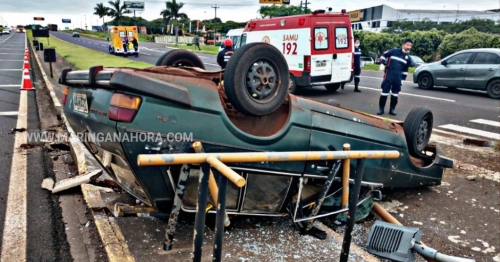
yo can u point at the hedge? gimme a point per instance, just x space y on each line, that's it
429 45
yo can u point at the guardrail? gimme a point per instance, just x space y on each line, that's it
214 163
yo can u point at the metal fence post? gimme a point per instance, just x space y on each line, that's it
201 206
221 214
353 201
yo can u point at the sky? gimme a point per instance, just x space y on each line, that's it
21 12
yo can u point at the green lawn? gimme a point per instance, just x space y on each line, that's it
205 49
83 58
375 67
103 35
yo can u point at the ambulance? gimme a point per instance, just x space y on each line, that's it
117 34
318 47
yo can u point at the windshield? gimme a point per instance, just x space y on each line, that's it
417 59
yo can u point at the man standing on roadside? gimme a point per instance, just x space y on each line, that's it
397 62
225 53
357 65
196 42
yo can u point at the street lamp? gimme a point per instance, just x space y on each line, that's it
85 22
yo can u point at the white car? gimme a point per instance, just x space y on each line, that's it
234 34
6 31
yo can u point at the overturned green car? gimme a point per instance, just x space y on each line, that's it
246 108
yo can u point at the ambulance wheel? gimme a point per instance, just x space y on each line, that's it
418 128
332 87
180 57
256 79
292 86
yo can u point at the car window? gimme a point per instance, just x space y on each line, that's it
459 59
486 59
416 59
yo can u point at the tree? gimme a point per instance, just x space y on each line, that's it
118 11
101 11
277 10
468 39
482 25
172 11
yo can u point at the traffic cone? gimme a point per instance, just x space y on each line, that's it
27 84
26 55
26 64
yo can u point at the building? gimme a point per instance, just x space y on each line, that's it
377 18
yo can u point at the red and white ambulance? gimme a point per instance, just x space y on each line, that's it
318 47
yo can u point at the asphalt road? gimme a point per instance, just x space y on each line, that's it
28 216
464 111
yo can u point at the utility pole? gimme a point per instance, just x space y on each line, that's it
215 23
300 6
305 9
85 22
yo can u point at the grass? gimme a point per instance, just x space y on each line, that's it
205 49
375 67
83 58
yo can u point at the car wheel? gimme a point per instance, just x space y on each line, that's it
418 128
425 81
180 57
110 50
493 89
292 86
332 87
256 79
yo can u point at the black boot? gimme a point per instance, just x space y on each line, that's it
356 85
394 102
381 104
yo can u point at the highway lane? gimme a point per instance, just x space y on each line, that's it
460 108
27 214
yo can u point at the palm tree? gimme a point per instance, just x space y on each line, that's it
117 11
101 11
172 11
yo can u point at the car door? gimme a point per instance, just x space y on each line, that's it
342 53
451 71
321 58
480 70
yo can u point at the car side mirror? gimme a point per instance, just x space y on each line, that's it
443 62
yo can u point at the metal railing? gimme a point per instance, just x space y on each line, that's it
215 163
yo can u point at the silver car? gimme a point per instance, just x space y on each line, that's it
472 69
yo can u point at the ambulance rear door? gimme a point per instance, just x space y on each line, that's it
342 51
321 50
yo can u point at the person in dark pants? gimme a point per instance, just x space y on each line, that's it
357 65
397 62
196 42
225 53
136 45
125 45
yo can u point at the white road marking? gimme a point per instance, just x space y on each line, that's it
212 64
406 94
383 79
9 113
472 131
486 122
14 231
10 85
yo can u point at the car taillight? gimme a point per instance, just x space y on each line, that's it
307 63
123 107
65 96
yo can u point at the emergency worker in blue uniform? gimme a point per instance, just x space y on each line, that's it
397 62
225 53
357 65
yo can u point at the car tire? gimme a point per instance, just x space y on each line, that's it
332 87
493 88
425 81
249 90
180 57
418 129
292 85
110 50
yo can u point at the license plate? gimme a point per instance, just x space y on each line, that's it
80 103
